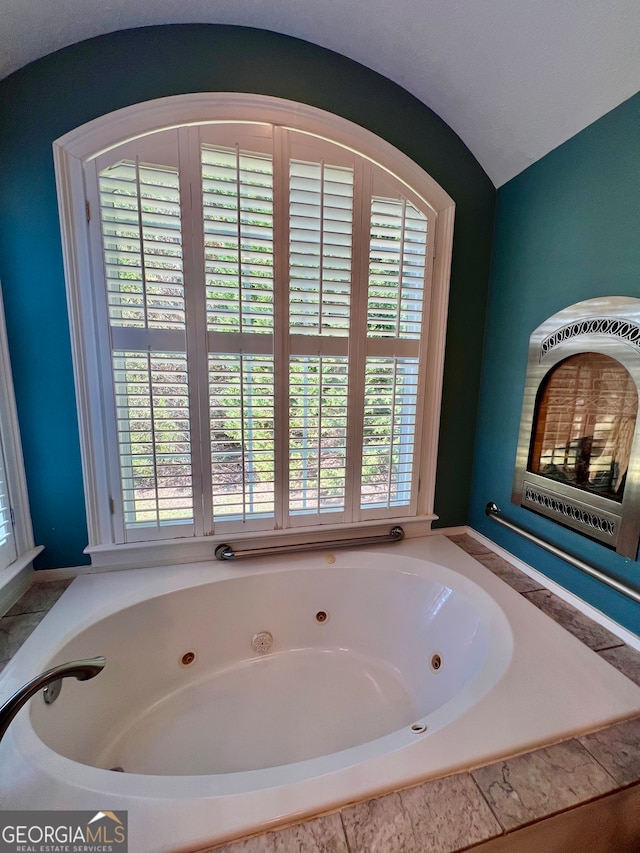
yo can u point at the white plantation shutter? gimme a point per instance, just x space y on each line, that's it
142 240
398 264
320 241
241 399
7 538
391 394
237 198
318 388
238 236
264 311
321 212
152 411
16 536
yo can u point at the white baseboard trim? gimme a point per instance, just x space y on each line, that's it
575 601
450 531
68 573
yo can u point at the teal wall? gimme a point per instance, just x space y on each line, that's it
567 229
64 90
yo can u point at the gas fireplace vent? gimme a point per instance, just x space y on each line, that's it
578 459
599 525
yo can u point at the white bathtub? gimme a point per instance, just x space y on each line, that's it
387 666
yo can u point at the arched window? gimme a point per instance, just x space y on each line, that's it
257 310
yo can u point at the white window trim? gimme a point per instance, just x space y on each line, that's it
14 579
101 134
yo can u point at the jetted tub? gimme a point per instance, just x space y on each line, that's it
239 696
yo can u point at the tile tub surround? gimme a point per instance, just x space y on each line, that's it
466 810
461 811
26 613
533 786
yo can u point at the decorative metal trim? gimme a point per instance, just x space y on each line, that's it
570 511
610 326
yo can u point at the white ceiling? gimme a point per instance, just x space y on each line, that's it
514 78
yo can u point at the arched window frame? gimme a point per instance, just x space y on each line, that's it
71 154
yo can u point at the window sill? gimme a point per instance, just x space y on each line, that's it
137 555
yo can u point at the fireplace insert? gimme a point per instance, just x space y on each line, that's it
578 458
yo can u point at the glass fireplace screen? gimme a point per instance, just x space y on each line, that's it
584 423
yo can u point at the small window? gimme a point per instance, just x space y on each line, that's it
8 552
261 311
16 537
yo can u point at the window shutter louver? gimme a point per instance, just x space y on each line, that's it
142 243
397 264
317 434
391 392
241 398
320 237
237 197
321 209
142 239
395 305
152 410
